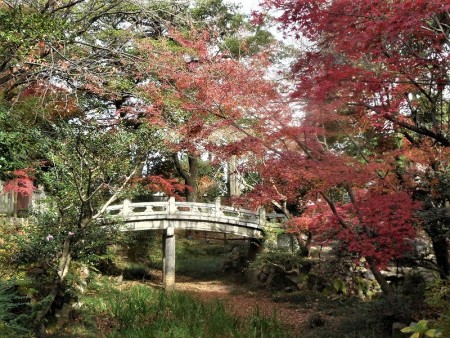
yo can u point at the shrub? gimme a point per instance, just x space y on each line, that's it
438 296
140 311
9 301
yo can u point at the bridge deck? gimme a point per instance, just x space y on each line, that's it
192 216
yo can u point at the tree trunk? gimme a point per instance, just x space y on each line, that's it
63 269
303 244
233 179
385 287
42 313
440 248
190 176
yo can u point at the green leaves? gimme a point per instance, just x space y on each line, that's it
420 329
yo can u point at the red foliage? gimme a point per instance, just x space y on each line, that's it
375 225
21 184
201 95
373 57
372 81
169 186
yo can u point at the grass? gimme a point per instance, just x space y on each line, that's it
199 267
141 311
194 258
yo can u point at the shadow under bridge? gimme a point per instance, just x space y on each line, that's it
171 215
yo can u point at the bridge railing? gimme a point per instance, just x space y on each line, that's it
130 210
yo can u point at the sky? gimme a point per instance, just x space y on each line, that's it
247 5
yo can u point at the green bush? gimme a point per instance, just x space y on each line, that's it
9 301
438 297
283 258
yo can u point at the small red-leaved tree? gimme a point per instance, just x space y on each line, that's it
22 185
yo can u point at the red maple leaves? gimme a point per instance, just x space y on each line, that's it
21 184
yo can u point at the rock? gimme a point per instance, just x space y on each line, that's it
35 272
396 330
284 241
266 269
262 277
368 274
252 276
293 279
306 267
235 250
288 289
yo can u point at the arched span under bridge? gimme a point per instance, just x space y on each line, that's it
171 215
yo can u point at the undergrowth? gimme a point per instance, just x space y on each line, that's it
141 311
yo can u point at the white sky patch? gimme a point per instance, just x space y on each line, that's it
247 5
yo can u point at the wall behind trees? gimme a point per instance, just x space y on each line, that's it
16 204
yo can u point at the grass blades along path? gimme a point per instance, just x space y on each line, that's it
141 311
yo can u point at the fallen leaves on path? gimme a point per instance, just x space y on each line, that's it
242 301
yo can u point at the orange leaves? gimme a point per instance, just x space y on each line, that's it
169 186
201 94
53 101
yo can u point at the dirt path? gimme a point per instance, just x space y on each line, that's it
242 301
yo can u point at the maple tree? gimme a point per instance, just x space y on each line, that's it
229 36
200 96
373 79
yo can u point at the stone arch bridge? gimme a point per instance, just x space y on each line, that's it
171 215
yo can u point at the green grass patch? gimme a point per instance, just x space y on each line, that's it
141 311
200 267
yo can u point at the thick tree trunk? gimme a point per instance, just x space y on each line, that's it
440 248
233 179
303 244
42 313
190 176
191 194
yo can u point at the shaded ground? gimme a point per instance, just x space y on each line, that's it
244 300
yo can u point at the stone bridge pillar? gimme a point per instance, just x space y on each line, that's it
255 246
169 258
169 251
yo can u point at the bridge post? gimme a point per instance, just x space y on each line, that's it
217 204
125 208
262 216
256 244
172 207
169 258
